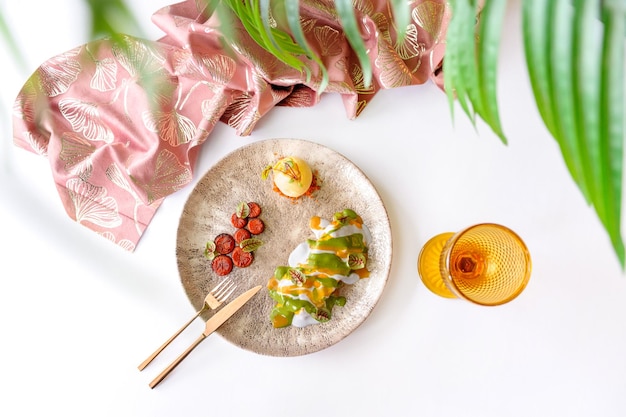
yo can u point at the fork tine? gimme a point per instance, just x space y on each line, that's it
219 286
224 289
223 293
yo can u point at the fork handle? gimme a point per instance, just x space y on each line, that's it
164 345
178 360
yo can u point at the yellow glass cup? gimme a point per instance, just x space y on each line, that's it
486 264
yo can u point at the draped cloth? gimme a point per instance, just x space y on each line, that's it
121 122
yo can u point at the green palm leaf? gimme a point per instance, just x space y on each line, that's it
490 32
575 57
292 15
586 96
460 65
612 117
471 59
465 43
255 18
402 17
110 17
535 31
351 29
562 87
574 53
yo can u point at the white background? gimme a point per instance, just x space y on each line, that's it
78 314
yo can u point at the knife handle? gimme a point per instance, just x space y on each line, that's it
164 345
178 360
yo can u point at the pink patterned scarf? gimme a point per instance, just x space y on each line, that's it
121 126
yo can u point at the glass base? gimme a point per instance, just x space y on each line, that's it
428 265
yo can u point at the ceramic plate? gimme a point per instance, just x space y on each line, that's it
237 178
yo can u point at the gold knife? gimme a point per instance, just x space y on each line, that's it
211 325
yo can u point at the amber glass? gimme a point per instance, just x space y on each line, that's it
486 264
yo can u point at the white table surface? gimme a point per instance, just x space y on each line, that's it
78 314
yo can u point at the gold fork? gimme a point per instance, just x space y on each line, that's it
213 300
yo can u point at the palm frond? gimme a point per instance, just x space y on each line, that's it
575 58
470 63
460 63
351 30
574 52
401 16
490 32
255 15
612 117
110 18
292 15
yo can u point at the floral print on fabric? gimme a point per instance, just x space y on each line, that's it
121 122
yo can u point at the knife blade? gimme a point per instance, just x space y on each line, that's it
227 311
211 325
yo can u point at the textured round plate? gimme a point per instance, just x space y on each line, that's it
237 178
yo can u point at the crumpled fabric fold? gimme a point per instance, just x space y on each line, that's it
121 122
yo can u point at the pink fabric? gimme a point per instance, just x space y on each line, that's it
121 126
